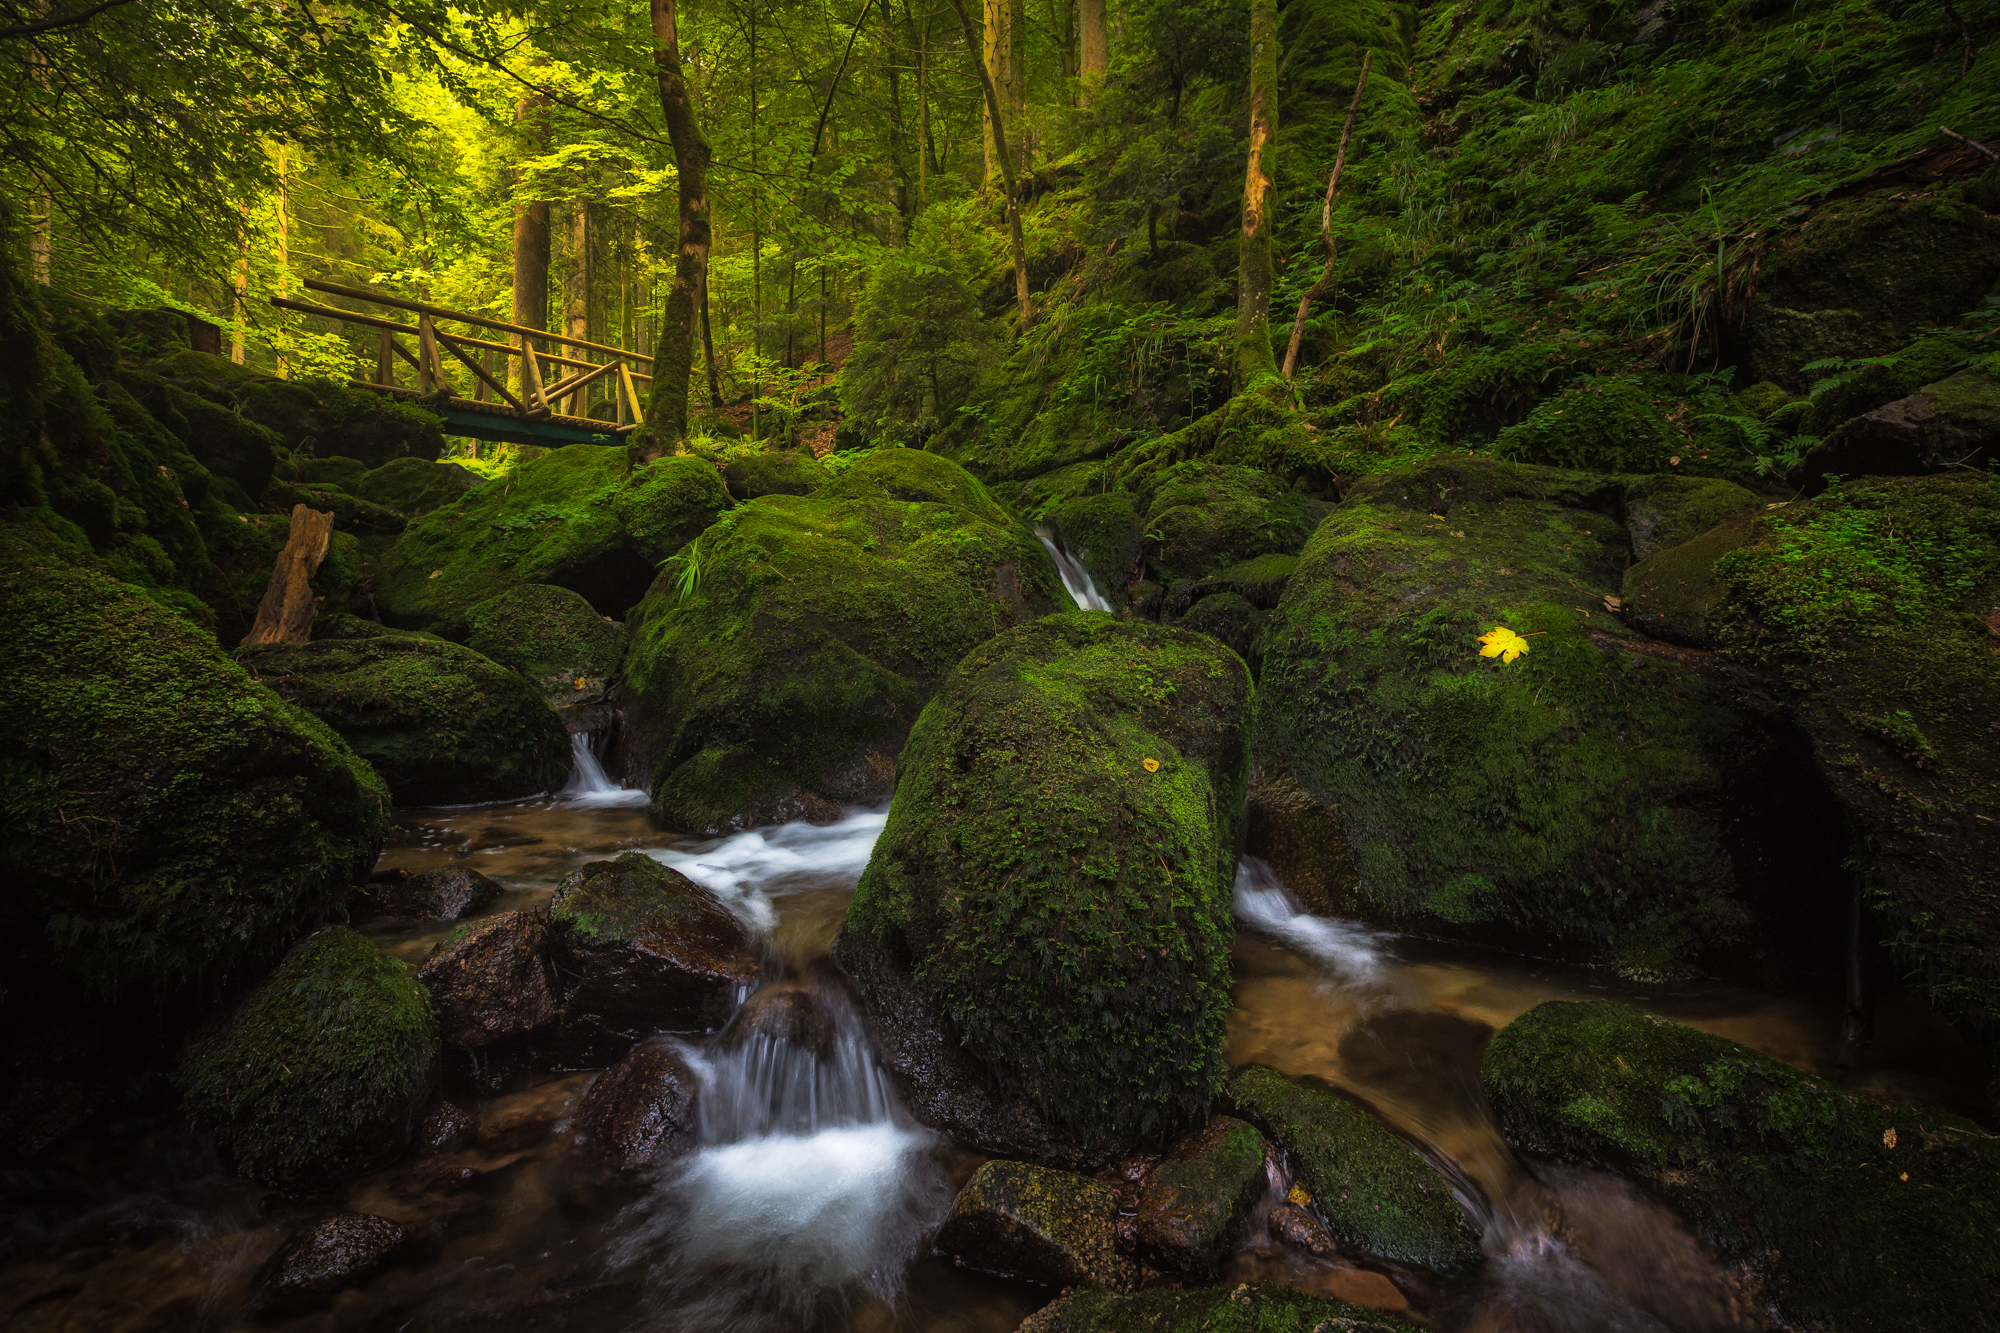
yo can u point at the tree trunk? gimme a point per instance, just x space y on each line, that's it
1015 89
576 322
1096 43
1326 225
286 613
997 140
708 347
1254 272
531 235
991 47
666 413
899 153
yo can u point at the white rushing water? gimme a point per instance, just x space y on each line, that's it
1352 953
747 871
589 784
1076 579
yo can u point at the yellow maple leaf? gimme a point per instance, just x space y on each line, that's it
1152 765
1502 643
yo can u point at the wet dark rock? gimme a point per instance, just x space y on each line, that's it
1848 1213
1227 617
445 1128
639 1111
1298 1229
432 895
1301 840
1192 1207
1951 424
781 1013
338 1252
38 1112
1037 1224
1245 1308
492 982
1670 594
643 949
1665 511
1373 1191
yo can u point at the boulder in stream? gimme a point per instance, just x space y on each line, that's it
1192 1205
784 685
1055 875
1244 1308
320 1072
551 635
1373 1191
1038 1224
444 894
440 723
1848 1213
334 1253
643 949
639 1111
492 983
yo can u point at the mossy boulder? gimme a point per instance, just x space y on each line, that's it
787 682
319 1074
349 512
1606 424
1203 517
166 820
1671 593
1036 1223
553 637
1875 611
779 472
1191 1209
328 420
444 894
1665 511
344 473
643 948
440 723
1850 1214
1227 618
1954 423
1244 1308
1372 1190
1105 533
413 486
576 517
1302 840
1582 793
1062 907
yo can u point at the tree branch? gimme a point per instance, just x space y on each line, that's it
40 26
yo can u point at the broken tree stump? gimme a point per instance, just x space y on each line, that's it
286 613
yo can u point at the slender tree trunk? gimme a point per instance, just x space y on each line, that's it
708 347
998 140
1096 44
239 326
576 321
991 48
673 364
1016 87
531 237
927 159
1254 273
1326 224
284 218
899 152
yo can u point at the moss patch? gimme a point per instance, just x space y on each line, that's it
554 638
1065 909
1670 594
1854 1214
319 1073
1245 1308
413 486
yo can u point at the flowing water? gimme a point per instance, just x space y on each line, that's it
1076 579
809 1198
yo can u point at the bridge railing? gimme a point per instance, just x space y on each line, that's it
547 377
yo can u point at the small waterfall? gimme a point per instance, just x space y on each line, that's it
1352 953
746 871
1076 579
588 782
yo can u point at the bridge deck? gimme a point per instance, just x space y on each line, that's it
499 423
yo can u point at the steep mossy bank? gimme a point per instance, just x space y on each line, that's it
1847 1213
816 628
167 820
1056 871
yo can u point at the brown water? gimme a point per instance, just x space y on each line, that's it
144 1234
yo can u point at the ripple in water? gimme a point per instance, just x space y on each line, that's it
747 871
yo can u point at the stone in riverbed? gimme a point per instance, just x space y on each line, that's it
492 983
432 895
445 1128
639 1111
644 949
333 1254
1038 1224
1192 1207
1245 1308
1373 1190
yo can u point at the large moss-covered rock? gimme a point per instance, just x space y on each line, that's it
1036 1223
440 723
1371 1189
1607 424
413 486
1203 517
1665 511
1851 1214
779 472
553 637
1954 423
1056 871
577 517
1581 792
1875 610
164 819
1190 1212
319 1074
1671 593
1244 1308
786 683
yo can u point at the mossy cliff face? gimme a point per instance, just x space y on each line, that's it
572 517
1578 793
317 418
1063 908
1875 609
319 1074
786 684
554 638
440 723
166 819
1851 1214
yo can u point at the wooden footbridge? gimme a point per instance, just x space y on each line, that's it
554 386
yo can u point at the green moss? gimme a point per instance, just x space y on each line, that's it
1245 1308
1192 1209
1666 511
1873 601
665 505
1371 1189
413 486
554 638
165 819
440 723
1671 594
1106 533
1065 910
1607 424
319 1073
1851 1213
341 473
1584 784
348 511
1035 1222
631 898
780 472
1204 517
820 626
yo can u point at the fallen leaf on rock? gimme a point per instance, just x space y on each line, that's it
1152 765
1502 643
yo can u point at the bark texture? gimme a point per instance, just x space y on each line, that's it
286 613
1095 40
996 142
673 362
1318 289
1254 360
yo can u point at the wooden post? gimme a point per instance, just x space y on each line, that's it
385 359
531 378
427 356
286 613
479 389
631 392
